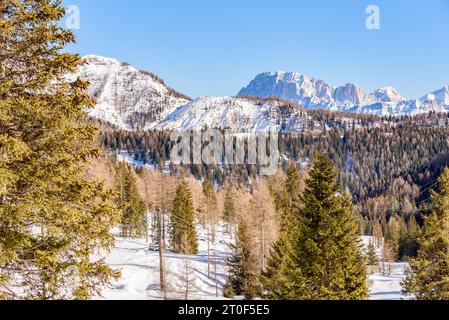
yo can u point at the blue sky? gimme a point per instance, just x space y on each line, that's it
215 47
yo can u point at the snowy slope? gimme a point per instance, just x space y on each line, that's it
240 114
317 94
139 268
125 96
132 99
386 287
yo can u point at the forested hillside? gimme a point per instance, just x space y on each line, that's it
369 152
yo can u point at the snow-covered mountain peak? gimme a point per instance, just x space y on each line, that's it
133 99
317 94
439 96
291 76
125 96
350 94
91 58
388 94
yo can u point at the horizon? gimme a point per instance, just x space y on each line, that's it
208 56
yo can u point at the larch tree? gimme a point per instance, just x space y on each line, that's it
428 276
210 214
229 208
52 217
158 193
187 277
263 218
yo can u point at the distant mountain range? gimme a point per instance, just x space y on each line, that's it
133 99
317 94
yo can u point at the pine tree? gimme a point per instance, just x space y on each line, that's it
328 251
371 256
52 217
242 266
287 202
183 222
134 218
428 276
326 261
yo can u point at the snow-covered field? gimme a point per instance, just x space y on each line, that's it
388 287
139 268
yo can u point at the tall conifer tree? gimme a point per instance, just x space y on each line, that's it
134 217
328 258
287 202
428 277
229 211
52 218
182 218
242 264
325 259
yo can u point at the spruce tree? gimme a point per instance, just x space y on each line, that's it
134 211
428 276
182 226
371 256
293 187
328 258
322 257
52 218
242 267
275 283
408 247
412 237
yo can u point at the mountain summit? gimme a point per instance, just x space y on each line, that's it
127 97
317 94
132 99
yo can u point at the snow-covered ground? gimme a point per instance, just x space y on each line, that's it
388 287
139 268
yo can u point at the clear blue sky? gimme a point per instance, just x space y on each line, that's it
214 47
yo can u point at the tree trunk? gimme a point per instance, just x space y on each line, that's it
161 256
